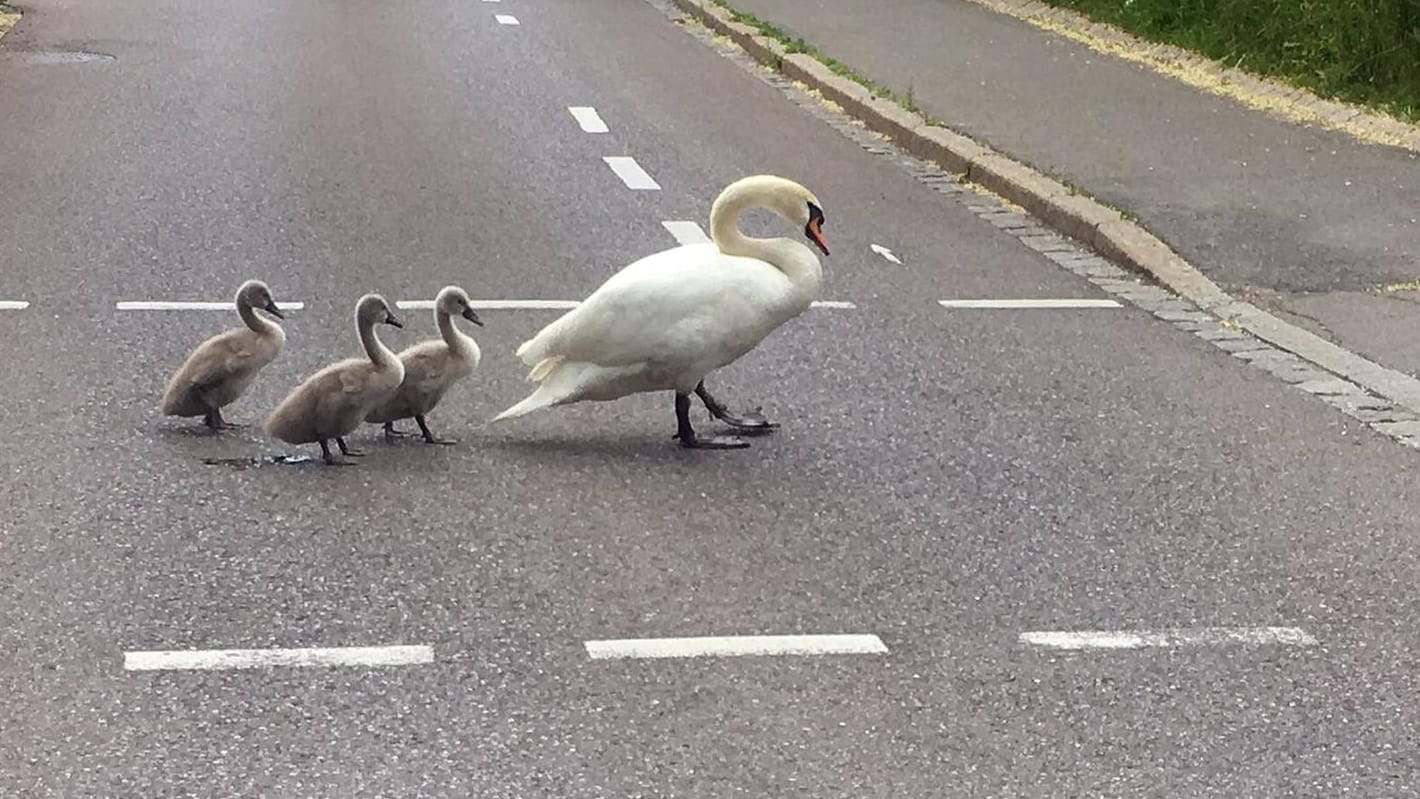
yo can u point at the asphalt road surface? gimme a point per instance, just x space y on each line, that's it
945 480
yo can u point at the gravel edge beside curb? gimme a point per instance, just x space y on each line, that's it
1098 227
9 18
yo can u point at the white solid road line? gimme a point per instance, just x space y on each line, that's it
145 305
735 646
631 173
496 305
1139 639
216 659
686 231
1021 304
552 305
588 118
13 305
506 19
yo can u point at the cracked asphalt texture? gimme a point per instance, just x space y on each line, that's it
945 480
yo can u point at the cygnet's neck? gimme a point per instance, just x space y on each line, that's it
258 323
374 348
460 343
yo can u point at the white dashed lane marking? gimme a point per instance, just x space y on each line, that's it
1028 304
558 305
497 305
736 646
13 305
163 305
631 173
1140 639
506 19
220 659
686 231
588 118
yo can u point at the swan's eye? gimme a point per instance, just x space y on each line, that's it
816 214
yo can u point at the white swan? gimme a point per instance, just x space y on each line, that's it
667 320
432 367
220 369
333 402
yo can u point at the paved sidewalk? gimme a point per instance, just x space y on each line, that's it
1307 222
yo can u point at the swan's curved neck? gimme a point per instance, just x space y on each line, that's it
376 349
256 322
725 223
795 260
458 341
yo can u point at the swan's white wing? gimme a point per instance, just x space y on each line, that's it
655 305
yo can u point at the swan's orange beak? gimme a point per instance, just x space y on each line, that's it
815 234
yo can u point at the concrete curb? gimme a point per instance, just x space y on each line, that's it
1098 227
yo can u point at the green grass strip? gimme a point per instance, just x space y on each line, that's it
1361 51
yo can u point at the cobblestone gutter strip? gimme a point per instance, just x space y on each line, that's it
1386 400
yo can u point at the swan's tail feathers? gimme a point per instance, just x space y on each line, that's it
536 401
546 394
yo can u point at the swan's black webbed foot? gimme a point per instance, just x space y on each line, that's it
752 423
686 434
391 432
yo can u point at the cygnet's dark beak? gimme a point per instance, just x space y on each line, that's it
273 310
390 320
471 316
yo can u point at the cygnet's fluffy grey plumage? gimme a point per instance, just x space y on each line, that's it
331 403
431 367
221 368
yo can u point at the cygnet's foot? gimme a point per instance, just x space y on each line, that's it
430 437
214 421
347 451
329 458
391 432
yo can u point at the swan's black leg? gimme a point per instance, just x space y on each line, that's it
752 422
390 432
347 451
687 435
428 436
